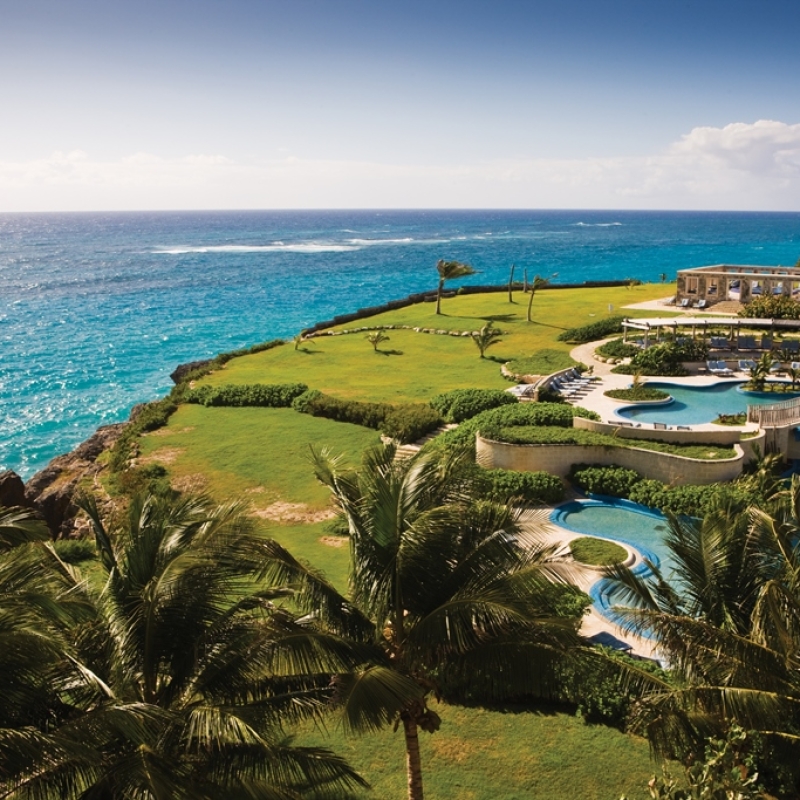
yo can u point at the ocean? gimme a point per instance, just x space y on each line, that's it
96 310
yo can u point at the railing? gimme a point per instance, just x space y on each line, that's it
775 415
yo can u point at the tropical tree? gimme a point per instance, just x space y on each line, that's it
377 337
759 372
448 271
728 622
446 591
180 681
511 284
537 283
486 337
794 376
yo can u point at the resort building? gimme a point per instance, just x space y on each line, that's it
702 287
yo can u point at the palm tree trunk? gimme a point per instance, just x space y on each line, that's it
530 303
439 296
413 763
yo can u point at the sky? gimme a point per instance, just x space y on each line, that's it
234 104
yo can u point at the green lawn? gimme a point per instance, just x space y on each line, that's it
416 366
491 755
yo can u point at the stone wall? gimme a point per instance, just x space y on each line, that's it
558 458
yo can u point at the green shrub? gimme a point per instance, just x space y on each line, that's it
406 423
148 417
612 480
532 487
637 394
616 348
410 422
73 551
277 395
664 359
461 404
771 307
592 332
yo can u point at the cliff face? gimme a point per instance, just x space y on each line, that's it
50 490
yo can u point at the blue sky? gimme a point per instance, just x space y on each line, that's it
338 103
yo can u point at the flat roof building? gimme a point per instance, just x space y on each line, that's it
701 287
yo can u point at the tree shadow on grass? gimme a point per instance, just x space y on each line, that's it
306 351
390 352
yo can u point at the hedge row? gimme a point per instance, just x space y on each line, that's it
531 487
461 404
593 332
692 501
275 395
406 423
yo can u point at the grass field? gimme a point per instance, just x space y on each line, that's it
491 755
261 456
413 367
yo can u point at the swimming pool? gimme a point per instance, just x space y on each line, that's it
623 521
695 405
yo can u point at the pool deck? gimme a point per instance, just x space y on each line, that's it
595 399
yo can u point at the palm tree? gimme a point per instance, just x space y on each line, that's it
728 622
760 372
511 284
486 337
179 683
377 337
445 591
448 271
537 283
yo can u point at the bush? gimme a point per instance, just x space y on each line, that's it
637 394
278 395
532 487
592 332
73 551
410 422
771 307
148 417
612 481
406 423
616 348
461 404
664 359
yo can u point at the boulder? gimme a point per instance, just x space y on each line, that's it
12 490
50 491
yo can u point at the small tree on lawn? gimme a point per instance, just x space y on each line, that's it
537 283
486 337
375 338
449 270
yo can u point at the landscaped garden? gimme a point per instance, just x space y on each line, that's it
444 644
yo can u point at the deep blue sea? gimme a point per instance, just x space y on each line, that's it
97 309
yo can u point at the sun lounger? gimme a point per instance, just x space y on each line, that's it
700 304
747 342
685 302
660 426
766 343
791 346
718 368
746 364
776 367
719 342
682 428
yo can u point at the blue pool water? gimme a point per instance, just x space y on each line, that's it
695 405
624 522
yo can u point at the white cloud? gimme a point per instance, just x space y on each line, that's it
739 166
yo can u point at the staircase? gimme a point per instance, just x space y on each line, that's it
410 450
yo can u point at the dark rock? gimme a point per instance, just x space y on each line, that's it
50 490
182 370
12 490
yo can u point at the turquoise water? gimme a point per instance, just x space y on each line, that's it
695 405
623 521
97 309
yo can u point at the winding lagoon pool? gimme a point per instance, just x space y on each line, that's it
622 521
695 405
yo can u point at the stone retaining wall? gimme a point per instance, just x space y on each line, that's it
557 459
